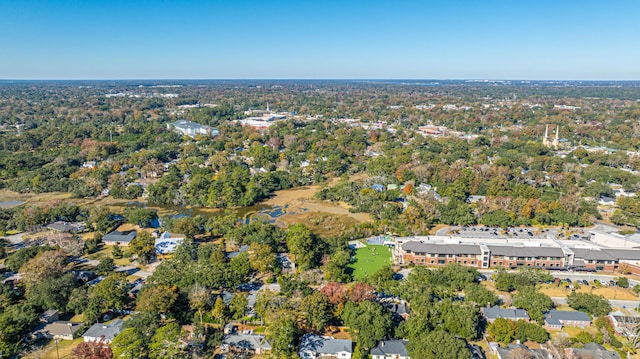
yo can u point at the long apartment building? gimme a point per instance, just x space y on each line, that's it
543 253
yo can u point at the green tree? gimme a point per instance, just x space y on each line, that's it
502 330
596 305
316 311
164 343
156 299
219 310
105 266
262 258
304 246
111 293
143 246
141 216
283 335
369 322
129 343
534 302
437 345
238 305
623 282
53 292
480 295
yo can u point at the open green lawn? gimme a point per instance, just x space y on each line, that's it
369 259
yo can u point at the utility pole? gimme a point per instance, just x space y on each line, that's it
56 340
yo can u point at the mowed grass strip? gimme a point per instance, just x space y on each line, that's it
369 260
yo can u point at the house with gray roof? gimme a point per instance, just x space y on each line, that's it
591 350
495 312
506 353
245 343
390 349
314 346
556 319
62 226
119 238
62 329
103 331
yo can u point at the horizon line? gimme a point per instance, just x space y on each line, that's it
478 79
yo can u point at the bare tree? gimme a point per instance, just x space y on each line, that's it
629 327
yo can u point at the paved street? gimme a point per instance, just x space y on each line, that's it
613 302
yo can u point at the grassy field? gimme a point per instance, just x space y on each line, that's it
369 259
608 292
49 352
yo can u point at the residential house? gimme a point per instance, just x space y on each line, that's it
49 316
314 346
62 329
556 319
245 343
119 238
506 353
591 350
607 201
62 226
103 331
495 312
167 243
390 349
399 310
624 324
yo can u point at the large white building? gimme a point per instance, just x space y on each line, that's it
192 129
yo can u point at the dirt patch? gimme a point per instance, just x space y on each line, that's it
338 332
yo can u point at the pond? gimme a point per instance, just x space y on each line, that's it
9 204
245 214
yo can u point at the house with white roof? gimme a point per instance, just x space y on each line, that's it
314 346
167 243
103 331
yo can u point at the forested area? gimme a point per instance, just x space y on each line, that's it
362 145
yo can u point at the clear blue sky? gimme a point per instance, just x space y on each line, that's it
315 39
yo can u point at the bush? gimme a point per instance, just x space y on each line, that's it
623 282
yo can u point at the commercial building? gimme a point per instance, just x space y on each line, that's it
192 129
493 252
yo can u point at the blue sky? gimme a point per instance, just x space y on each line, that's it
319 39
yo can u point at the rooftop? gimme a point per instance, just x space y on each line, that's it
558 317
324 345
390 348
506 313
100 330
